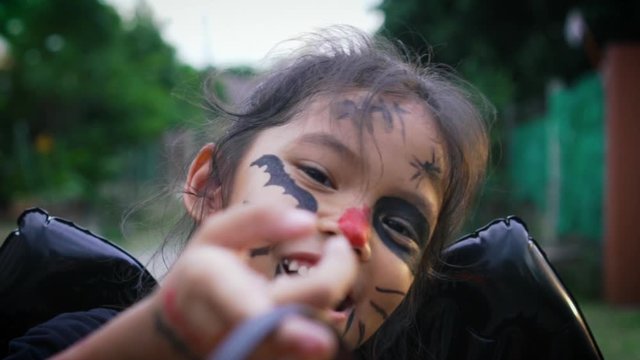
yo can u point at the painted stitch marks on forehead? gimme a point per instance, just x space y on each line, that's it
361 327
279 177
361 114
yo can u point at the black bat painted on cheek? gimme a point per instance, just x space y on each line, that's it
279 177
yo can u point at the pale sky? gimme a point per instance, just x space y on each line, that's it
242 32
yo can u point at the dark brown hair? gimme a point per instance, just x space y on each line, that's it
336 60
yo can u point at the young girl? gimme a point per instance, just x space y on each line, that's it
336 186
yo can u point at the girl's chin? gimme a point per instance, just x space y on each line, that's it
340 321
338 318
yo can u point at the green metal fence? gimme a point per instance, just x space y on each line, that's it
557 161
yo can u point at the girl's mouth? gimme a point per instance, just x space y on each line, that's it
303 264
296 264
295 267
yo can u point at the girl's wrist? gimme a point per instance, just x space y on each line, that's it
173 326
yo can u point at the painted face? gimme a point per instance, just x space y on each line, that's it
373 175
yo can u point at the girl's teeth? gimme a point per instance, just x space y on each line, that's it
294 265
303 270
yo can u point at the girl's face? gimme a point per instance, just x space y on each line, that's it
374 177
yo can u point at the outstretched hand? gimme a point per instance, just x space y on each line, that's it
211 289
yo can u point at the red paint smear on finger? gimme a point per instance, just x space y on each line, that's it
354 224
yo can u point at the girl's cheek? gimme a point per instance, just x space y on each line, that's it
392 280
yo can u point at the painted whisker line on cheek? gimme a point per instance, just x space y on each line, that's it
390 291
360 332
379 310
349 322
279 177
261 251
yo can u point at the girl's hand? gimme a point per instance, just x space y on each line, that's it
211 289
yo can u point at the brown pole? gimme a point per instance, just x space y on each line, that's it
622 195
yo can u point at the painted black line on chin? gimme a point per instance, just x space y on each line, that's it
379 310
360 332
279 177
390 291
349 322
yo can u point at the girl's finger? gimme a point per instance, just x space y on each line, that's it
298 338
245 226
305 339
327 283
215 290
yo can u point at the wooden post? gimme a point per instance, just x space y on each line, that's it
622 195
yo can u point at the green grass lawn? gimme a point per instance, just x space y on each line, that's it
617 330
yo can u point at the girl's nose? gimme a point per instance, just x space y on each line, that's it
354 225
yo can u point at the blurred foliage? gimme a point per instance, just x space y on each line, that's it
79 88
242 71
509 49
613 20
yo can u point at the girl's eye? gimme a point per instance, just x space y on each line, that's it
318 176
400 227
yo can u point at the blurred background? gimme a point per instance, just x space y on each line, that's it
101 110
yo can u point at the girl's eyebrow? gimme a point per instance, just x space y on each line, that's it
330 142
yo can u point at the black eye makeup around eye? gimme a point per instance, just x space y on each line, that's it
406 213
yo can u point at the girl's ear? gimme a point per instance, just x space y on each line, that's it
201 196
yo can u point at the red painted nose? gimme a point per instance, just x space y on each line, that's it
354 225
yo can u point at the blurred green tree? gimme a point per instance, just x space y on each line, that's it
79 87
508 49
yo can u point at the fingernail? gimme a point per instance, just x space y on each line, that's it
337 242
310 338
299 218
